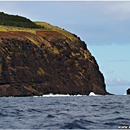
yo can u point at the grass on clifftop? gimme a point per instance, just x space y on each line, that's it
50 27
5 28
47 27
17 21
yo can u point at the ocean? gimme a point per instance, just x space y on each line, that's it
65 112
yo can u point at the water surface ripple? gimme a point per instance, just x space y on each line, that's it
71 112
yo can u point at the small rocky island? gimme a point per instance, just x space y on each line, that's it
128 91
43 59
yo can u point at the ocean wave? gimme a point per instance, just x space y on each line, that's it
2 115
34 110
58 95
85 112
93 94
77 124
66 95
50 116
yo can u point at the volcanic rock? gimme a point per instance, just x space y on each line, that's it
47 62
128 91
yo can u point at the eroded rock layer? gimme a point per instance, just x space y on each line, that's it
46 62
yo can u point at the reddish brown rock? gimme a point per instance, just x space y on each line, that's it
47 62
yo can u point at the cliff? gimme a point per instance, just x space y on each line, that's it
37 62
46 62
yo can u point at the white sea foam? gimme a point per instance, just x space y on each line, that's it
55 95
93 94
78 95
65 95
58 95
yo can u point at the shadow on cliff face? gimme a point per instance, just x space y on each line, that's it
47 62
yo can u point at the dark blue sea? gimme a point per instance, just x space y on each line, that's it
70 112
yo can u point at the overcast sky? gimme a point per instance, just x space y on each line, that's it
104 26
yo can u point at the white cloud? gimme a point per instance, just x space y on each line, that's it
119 10
117 82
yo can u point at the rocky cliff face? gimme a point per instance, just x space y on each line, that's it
46 62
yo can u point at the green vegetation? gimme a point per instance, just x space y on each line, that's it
17 21
5 28
50 27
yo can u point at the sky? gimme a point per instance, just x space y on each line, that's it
103 25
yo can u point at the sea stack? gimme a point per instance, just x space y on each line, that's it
47 60
128 91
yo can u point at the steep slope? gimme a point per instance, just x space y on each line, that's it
47 62
43 60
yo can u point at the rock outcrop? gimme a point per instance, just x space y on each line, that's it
128 91
47 62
